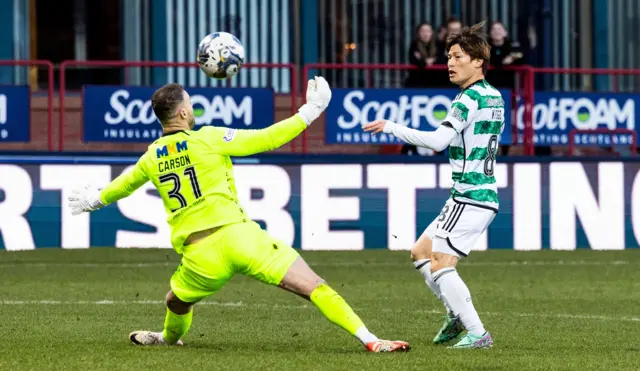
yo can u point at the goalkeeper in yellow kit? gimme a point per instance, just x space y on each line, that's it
193 174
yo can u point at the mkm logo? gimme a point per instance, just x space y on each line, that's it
171 149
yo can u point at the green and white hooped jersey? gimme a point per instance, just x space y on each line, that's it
477 115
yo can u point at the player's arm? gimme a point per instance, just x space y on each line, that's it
460 115
125 184
90 198
436 140
238 142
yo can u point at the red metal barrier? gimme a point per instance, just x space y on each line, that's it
526 93
614 72
293 70
50 90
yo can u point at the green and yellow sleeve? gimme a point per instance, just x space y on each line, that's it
239 142
125 184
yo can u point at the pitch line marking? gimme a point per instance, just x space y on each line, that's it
240 304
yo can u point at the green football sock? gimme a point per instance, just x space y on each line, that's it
176 325
336 309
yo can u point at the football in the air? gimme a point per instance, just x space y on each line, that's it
220 55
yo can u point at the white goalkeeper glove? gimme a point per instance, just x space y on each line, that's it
85 199
318 97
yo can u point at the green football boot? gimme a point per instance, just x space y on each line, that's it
451 328
471 341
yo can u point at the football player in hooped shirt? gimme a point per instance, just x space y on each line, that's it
471 131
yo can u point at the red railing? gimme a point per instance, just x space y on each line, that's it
525 91
293 70
50 91
614 72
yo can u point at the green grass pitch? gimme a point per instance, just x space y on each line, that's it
549 310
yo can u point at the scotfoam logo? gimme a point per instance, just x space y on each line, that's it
171 149
406 110
3 109
582 113
138 111
221 108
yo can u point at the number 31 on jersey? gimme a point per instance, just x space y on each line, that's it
175 192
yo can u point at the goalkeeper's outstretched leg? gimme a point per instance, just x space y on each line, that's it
303 281
245 248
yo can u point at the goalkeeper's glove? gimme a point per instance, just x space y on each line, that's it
85 199
318 97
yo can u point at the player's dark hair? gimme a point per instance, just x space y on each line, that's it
473 41
165 101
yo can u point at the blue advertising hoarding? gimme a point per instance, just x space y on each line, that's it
124 113
421 109
339 206
15 113
556 114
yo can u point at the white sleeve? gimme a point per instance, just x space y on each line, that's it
437 140
462 112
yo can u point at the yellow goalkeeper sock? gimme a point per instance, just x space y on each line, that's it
176 325
336 310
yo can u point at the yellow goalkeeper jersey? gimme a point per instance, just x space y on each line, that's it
193 174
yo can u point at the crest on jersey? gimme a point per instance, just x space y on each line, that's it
457 114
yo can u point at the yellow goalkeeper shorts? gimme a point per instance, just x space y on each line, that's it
243 248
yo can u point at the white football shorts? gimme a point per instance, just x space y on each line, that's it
459 226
